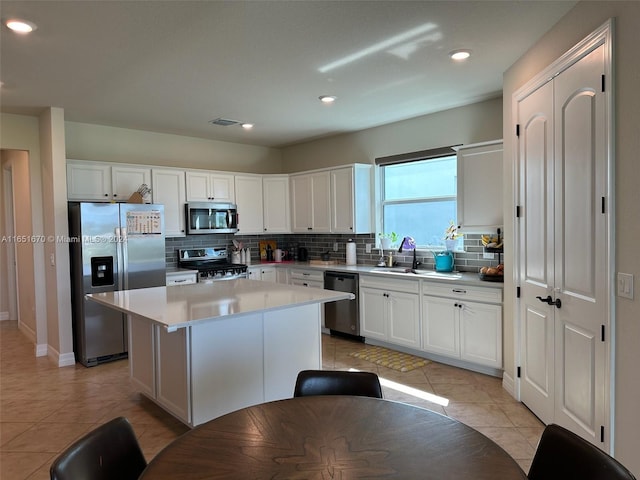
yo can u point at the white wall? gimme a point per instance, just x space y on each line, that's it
56 227
464 125
21 133
4 273
110 144
577 24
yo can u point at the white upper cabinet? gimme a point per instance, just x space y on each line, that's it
351 200
335 200
311 202
480 187
125 180
275 192
249 201
88 181
203 186
169 190
97 181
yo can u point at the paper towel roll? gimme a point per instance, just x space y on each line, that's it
351 253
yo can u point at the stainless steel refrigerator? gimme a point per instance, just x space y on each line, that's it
114 246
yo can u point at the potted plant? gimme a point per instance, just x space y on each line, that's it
451 236
388 240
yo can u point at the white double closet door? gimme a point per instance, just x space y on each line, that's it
563 249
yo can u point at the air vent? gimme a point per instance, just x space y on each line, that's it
224 122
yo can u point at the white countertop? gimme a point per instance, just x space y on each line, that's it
464 278
180 306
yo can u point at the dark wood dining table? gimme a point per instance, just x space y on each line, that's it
333 437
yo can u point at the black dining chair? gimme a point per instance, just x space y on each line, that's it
108 452
334 382
561 454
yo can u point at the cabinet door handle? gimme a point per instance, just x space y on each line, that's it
459 290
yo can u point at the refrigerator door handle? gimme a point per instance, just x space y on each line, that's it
119 259
125 258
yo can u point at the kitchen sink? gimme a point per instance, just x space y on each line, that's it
434 274
420 273
391 270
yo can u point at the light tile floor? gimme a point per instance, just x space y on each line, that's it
44 408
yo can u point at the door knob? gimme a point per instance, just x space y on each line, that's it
550 301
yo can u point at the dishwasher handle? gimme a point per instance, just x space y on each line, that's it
340 275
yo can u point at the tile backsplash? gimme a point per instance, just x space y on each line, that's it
471 260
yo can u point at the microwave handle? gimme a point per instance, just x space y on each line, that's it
230 218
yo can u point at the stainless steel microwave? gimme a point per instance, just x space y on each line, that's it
211 217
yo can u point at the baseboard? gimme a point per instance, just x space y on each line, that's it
509 384
66 360
62 360
4 316
42 350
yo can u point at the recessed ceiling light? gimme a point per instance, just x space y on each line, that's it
247 126
20 26
327 98
460 54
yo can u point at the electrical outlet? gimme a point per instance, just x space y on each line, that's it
625 285
488 255
367 248
335 247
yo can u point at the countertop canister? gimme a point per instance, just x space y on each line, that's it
351 253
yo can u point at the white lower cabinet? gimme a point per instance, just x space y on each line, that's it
173 375
455 325
390 310
307 277
282 275
181 278
481 333
264 273
441 326
209 369
142 365
159 366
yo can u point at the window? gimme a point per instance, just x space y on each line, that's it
419 198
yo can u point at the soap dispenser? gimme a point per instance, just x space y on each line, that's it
390 259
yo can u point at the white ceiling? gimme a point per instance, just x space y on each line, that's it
172 66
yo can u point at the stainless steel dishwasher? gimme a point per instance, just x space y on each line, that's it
342 316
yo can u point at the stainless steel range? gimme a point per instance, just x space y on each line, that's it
212 264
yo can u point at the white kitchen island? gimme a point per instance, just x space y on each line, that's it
204 350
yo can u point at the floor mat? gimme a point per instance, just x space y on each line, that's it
403 362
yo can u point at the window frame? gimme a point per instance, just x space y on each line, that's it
428 155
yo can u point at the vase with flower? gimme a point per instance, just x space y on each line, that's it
388 240
451 236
